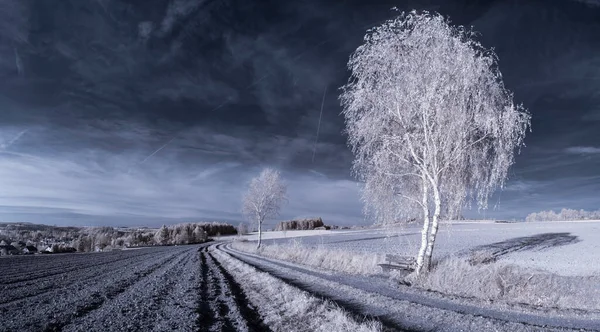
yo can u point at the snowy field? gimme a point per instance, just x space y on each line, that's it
564 248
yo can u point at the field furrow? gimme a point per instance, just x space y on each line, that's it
78 297
35 287
136 305
178 288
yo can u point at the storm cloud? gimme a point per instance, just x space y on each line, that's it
120 112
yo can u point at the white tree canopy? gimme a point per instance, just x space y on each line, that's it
264 198
428 119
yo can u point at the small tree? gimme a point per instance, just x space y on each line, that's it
182 238
242 229
199 234
429 121
162 236
266 193
102 241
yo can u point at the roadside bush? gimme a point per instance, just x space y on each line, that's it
242 229
336 260
300 224
510 284
287 308
476 276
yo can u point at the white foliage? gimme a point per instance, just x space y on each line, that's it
428 119
264 198
563 215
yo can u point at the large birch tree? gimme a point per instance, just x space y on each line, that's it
430 123
264 198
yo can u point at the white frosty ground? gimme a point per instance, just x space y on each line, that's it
581 258
293 234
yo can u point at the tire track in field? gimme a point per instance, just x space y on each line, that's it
222 305
215 312
247 310
206 316
353 309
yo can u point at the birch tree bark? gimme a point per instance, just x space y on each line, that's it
425 230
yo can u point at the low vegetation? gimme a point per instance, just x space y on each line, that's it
266 194
564 214
286 308
85 239
470 277
316 256
300 224
511 284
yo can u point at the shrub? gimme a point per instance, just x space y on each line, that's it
300 224
336 260
510 284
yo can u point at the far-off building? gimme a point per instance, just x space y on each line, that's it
8 249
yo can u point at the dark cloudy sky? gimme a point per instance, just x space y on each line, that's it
123 112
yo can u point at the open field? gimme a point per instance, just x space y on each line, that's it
563 248
163 288
212 287
173 288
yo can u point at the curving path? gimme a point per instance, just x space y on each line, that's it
403 308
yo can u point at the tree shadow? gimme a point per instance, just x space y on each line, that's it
491 252
372 238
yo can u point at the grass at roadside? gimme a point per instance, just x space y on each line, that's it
499 281
316 256
286 308
495 281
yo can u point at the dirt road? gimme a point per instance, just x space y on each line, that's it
404 308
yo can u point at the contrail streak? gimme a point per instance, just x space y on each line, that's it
258 81
319 125
248 87
157 150
14 139
223 104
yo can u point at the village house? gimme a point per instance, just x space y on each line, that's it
30 250
8 249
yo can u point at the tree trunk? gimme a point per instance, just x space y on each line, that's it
424 231
259 234
434 228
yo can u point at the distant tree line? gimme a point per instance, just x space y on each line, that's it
300 224
564 214
87 239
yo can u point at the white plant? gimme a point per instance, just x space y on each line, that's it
242 229
264 198
162 235
430 123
